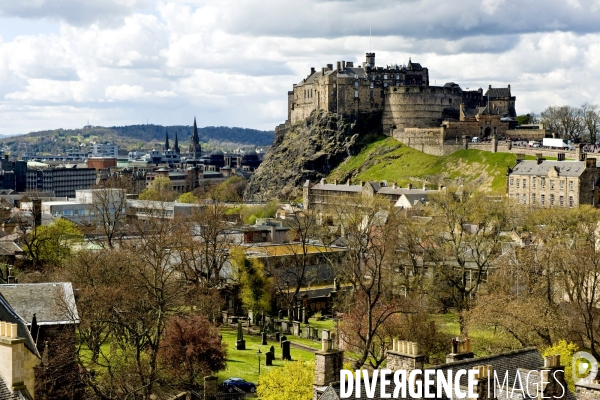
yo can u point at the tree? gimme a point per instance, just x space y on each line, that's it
255 286
292 381
188 198
591 121
191 349
370 231
160 190
52 244
232 190
461 243
564 120
109 205
566 352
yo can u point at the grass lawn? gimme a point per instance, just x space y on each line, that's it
325 324
244 363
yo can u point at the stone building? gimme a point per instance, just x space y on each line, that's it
564 184
403 95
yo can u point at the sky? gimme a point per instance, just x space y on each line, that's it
231 62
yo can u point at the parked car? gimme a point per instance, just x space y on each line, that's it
228 385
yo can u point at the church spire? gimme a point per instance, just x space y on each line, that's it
166 140
176 145
195 149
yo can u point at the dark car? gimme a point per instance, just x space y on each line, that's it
229 385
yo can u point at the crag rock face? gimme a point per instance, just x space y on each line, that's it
309 149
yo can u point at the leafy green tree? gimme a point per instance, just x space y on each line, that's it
188 198
256 287
566 351
51 244
292 381
161 190
232 190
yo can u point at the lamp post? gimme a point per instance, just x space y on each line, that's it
258 353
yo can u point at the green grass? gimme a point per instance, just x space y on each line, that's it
388 159
324 324
244 363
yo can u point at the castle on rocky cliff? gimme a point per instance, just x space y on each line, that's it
412 111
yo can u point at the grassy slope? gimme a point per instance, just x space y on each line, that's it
388 159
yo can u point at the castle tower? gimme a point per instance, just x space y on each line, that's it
166 140
176 146
195 149
371 59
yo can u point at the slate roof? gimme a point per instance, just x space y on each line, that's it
523 360
339 188
53 303
498 92
564 168
8 314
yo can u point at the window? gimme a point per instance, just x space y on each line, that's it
524 198
562 185
356 84
551 184
512 181
524 183
371 85
543 182
543 199
518 182
356 93
371 93
533 182
533 198
571 186
571 201
517 198
551 200
385 76
561 201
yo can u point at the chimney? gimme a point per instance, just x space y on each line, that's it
335 181
481 383
338 65
552 380
329 67
12 356
540 160
362 183
11 277
322 181
394 185
323 71
509 88
409 186
343 65
348 182
328 363
350 64
461 350
490 87
312 70
404 355
561 156
590 163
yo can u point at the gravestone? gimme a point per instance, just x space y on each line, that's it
304 315
296 328
285 350
306 332
269 357
277 336
279 314
240 343
250 318
264 338
285 327
272 350
283 339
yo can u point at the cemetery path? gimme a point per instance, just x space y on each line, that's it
302 347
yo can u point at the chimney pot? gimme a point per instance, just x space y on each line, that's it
409 186
338 65
343 65
312 70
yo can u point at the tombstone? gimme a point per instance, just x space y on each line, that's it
250 318
285 350
272 350
285 327
336 285
304 315
240 343
279 314
264 338
269 357
283 339
296 328
277 336
314 333
306 332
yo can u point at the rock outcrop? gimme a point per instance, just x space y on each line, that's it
309 149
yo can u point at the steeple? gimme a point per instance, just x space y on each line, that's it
176 146
166 140
195 149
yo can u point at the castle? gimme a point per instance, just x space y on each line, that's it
422 116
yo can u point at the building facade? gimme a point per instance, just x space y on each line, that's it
563 184
61 181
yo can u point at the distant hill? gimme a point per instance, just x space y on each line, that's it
134 137
388 159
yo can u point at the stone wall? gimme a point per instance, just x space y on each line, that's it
587 391
418 106
428 140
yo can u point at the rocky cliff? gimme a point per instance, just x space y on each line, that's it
309 149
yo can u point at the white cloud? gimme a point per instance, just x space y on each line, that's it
232 62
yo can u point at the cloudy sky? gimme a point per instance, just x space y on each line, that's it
230 62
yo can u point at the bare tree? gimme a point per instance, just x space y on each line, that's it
566 121
591 121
